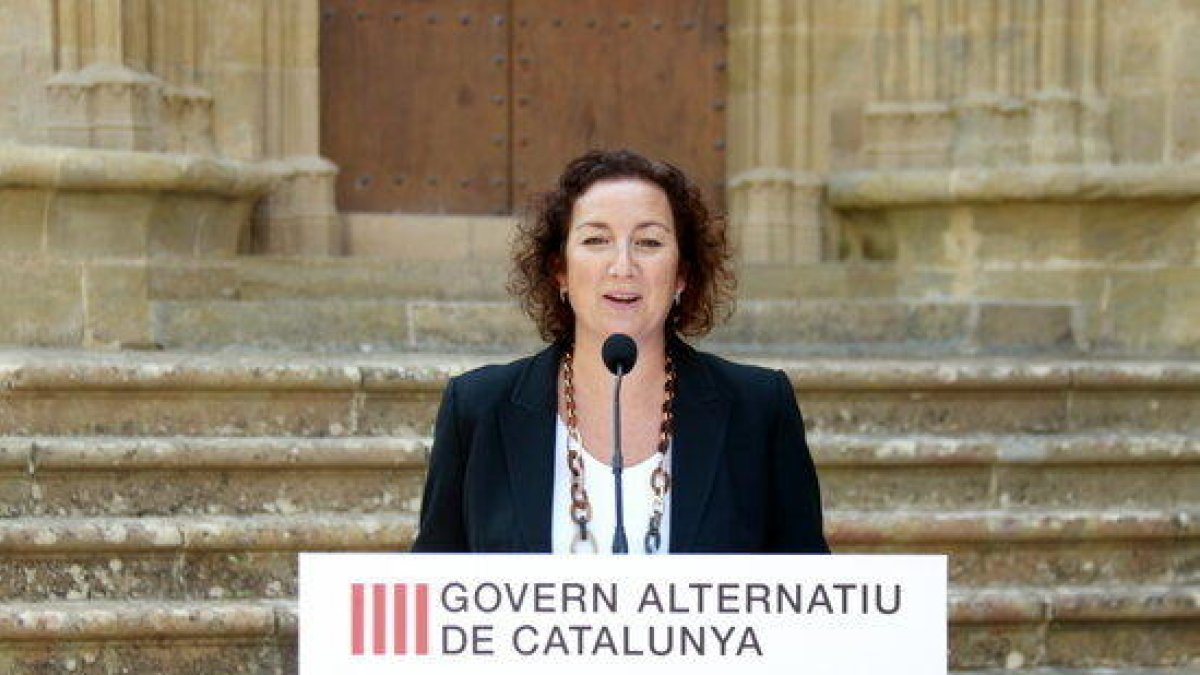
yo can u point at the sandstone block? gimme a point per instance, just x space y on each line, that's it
295 324
490 326
1123 644
1028 235
995 645
88 224
181 412
197 280
367 279
118 304
959 487
197 225
215 492
43 304
238 655
780 323
1041 328
23 220
1141 232
1136 122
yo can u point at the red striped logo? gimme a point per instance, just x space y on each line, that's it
376 608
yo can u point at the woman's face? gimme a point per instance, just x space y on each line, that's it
621 260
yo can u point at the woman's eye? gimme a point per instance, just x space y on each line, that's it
649 243
593 241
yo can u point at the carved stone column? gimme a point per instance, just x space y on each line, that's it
909 122
1055 108
102 95
774 192
301 214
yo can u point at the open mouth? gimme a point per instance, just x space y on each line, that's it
622 298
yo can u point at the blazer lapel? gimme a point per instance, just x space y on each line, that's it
701 417
527 431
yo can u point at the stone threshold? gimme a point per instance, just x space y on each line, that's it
394 532
35 454
82 453
884 188
939 526
42 370
107 620
54 167
306 532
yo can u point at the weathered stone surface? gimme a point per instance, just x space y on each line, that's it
43 304
179 558
264 279
1075 486
341 325
849 323
1030 328
982 646
219 492
118 308
428 238
85 224
23 221
482 326
191 656
1115 644
231 413
959 487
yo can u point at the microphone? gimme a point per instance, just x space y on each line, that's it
620 355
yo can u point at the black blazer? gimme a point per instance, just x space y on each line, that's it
742 477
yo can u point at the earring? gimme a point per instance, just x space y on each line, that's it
562 295
677 294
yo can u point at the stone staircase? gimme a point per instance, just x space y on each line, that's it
153 503
460 306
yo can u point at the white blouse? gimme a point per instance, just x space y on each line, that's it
598 478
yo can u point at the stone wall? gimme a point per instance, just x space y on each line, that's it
138 130
990 149
182 79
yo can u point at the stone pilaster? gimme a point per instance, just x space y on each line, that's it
102 95
909 124
774 191
301 215
1054 107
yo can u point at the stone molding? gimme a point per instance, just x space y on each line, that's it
1074 183
23 371
986 84
63 168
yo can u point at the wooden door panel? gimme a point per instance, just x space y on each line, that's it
415 104
643 74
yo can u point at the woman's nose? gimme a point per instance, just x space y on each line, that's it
622 264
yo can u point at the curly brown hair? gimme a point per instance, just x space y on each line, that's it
704 252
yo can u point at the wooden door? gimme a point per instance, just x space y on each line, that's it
470 106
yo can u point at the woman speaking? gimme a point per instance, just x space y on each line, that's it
713 453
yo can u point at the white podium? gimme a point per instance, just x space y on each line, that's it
443 614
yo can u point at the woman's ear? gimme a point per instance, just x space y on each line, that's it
559 270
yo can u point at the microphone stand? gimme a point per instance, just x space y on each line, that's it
620 544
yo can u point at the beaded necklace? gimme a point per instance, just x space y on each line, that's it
660 480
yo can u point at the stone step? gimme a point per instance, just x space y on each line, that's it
252 278
983 471
795 326
1024 630
186 557
141 476
160 476
198 557
257 394
1034 547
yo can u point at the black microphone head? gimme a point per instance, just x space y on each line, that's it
619 351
